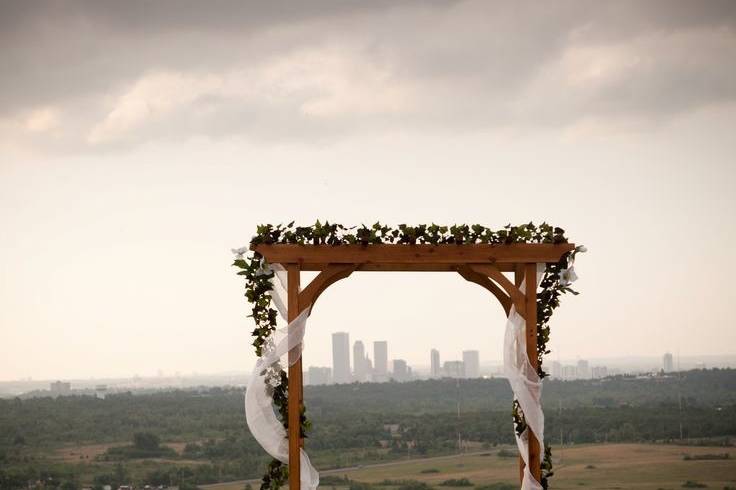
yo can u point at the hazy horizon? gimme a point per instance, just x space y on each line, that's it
140 142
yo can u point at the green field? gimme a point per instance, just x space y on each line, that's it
605 466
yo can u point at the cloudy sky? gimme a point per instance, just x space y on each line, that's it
140 141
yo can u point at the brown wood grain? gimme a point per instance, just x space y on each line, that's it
406 267
517 297
295 384
482 280
530 287
518 278
413 254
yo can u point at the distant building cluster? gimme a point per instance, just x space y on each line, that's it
63 388
469 367
581 370
363 369
59 388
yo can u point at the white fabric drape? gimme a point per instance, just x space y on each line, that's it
526 385
259 411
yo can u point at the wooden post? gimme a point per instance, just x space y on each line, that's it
518 278
530 275
296 390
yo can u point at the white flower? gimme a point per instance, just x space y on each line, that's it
568 276
239 252
263 269
581 248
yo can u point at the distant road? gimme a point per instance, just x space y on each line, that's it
241 483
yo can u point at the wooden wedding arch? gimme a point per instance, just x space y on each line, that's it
482 264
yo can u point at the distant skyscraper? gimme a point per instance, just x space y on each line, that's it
319 375
60 388
401 370
583 369
667 365
434 357
471 363
556 370
101 391
453 369
360 362
341 357
380 360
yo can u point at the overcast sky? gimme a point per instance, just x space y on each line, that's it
140 141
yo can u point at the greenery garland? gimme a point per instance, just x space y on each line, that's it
555 282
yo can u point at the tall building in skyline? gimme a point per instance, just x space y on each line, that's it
400 370
60 388
471 363
453 369
380 360
583 369
434 358
341 357
101 391
556 371
360 362
668 364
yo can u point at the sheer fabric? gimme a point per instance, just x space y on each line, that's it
526 385
259 411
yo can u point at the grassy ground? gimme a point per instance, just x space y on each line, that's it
612 466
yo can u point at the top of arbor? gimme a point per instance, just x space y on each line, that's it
405 257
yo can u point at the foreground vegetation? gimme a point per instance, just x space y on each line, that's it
199 436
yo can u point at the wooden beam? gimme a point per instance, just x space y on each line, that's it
518 278
413 254
530 287
517 298
482 280
296 394
391 267
518 274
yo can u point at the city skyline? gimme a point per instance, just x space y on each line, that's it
630 366
469 367
361 369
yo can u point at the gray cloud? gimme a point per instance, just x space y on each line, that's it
116 73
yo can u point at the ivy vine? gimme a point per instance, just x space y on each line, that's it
555 282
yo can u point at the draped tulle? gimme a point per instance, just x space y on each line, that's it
262 421
526 385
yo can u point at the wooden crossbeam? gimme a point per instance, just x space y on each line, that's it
403 267
484 281
398 254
